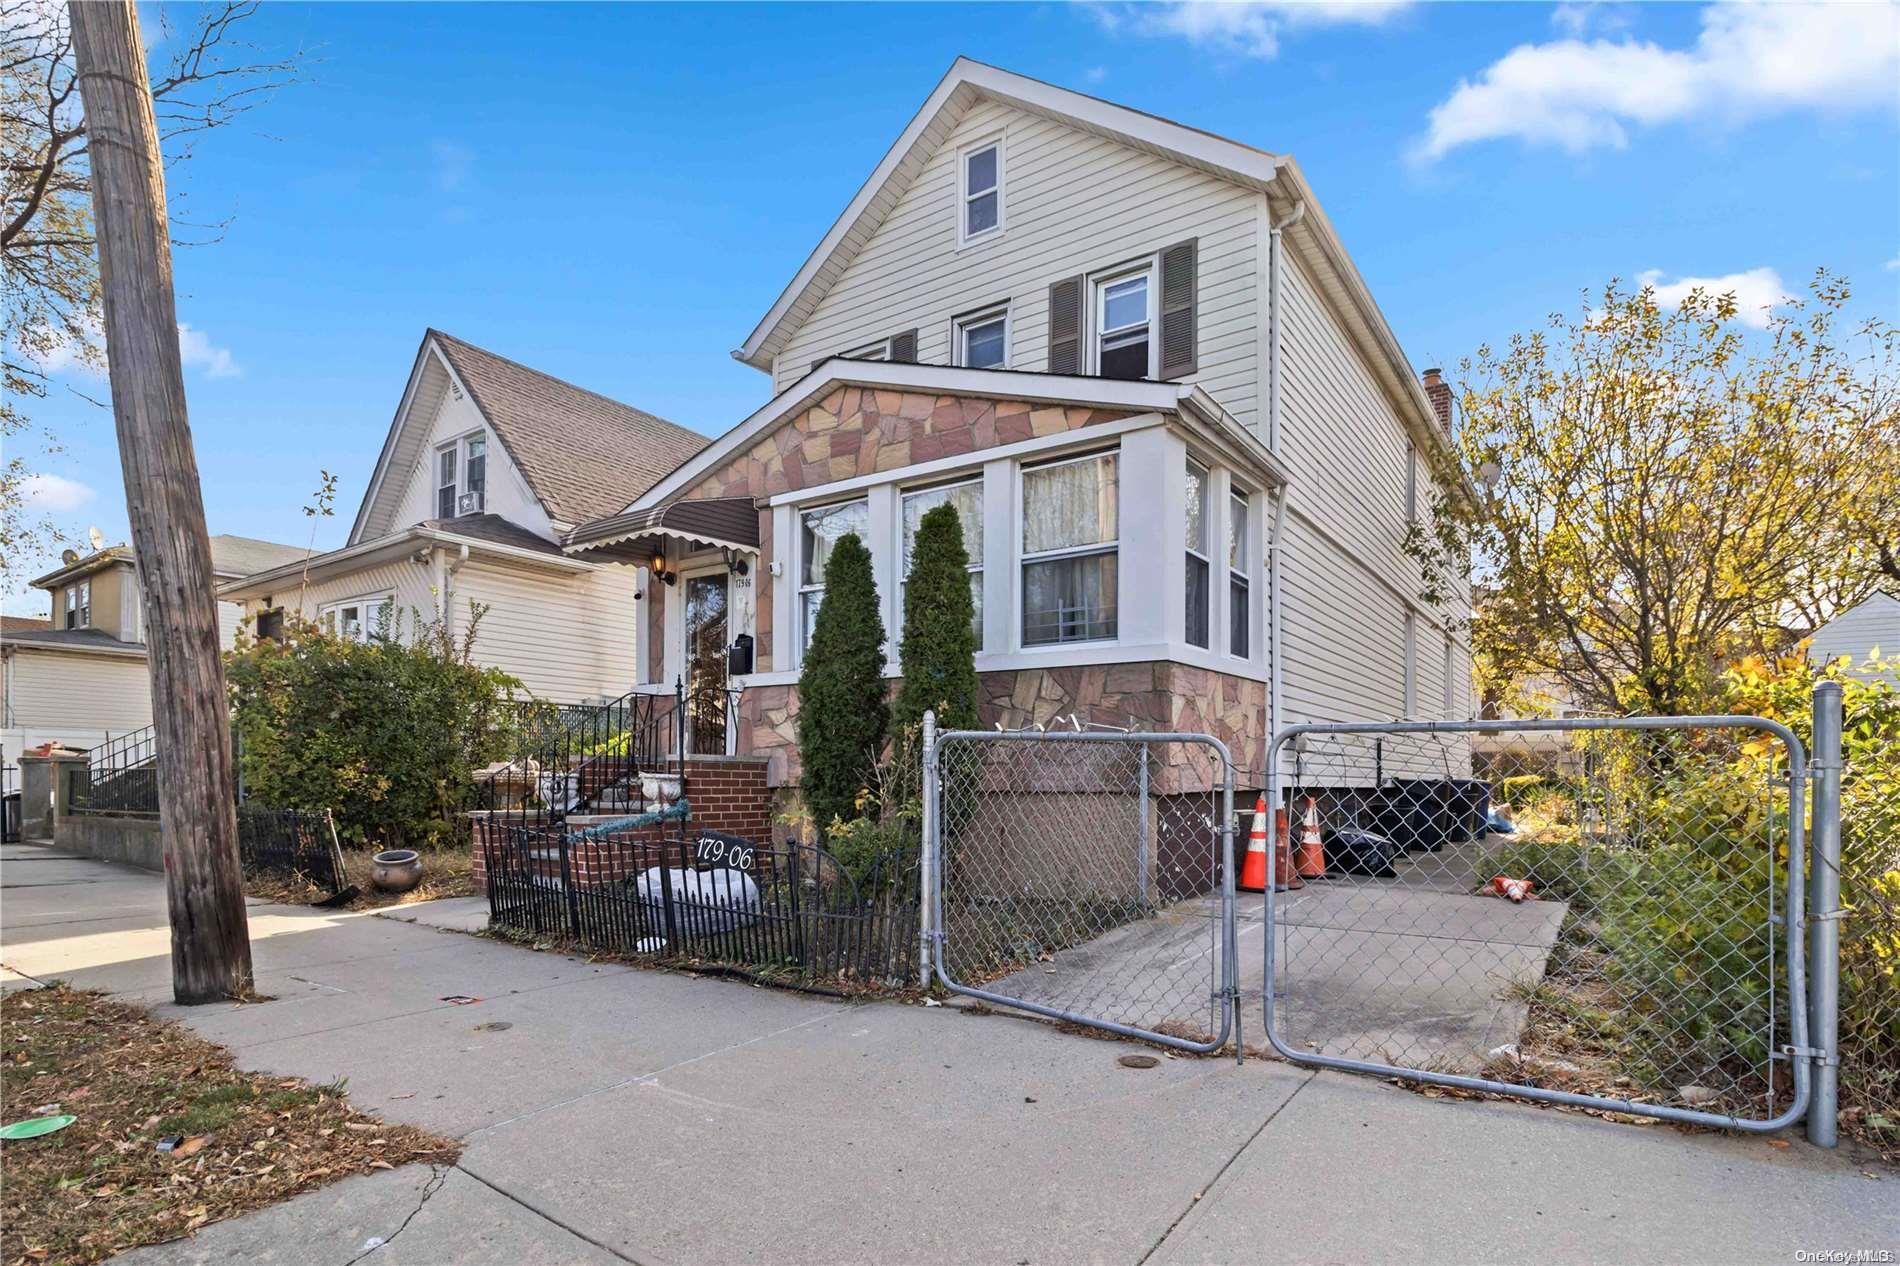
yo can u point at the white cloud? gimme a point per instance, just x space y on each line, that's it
55 494
1250 28
197 351
1757 292
1095 74
1893 265
1579 17
1748 60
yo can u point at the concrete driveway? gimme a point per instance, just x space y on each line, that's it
629 1115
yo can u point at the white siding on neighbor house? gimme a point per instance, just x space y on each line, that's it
569 639
1073 203
55 691
410 583
507 492
1859 631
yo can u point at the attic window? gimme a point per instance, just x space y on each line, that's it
454 498
981 179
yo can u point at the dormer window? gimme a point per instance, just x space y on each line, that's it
468 495
981 180
79 605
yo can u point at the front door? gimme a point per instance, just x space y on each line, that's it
706 641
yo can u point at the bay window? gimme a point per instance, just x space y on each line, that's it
819 532
967 499
1198 594
1238 583
1070 550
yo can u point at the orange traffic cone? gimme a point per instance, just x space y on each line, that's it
1312 860
1286 877
1253 867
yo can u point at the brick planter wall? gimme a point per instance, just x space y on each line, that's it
727 794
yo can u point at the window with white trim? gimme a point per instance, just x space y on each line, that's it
981 181
79 605
468 495
880 350
359 619
1199 593
983 340
966 497
1070 550
1124 325
1239 581
819 531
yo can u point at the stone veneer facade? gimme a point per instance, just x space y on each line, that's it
856 431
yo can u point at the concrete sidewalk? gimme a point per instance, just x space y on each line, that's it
628 1115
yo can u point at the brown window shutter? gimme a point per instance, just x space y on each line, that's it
904 347
1065 326
1179 274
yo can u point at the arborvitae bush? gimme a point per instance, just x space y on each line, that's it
842 712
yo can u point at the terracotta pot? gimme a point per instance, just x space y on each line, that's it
396 869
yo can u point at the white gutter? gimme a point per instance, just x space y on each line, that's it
1277 550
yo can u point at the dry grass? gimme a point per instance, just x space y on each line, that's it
445 873
101 1186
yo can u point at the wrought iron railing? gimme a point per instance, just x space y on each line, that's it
121 777
567 759
9 804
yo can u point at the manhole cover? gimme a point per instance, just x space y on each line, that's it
1137 1061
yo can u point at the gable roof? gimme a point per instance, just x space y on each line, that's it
582 454
1311 234
242 555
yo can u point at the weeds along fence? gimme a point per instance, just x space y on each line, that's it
787 909
1869 933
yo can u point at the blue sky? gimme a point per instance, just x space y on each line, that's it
615 194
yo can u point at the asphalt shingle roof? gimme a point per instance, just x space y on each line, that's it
583 455
245 555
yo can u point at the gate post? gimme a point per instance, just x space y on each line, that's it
1824 918
927 862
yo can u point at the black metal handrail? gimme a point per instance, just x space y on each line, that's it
121 776
573 758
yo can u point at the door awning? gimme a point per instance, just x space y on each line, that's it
713 523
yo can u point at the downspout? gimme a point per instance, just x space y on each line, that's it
1276 549
448 577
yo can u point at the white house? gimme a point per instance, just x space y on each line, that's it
486 466
1871 625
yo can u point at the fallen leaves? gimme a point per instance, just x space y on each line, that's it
103 1185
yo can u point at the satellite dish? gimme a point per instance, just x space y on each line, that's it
69 556
97 537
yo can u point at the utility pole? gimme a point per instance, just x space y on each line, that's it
211 948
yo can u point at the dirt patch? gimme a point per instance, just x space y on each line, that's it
448 873
237 1141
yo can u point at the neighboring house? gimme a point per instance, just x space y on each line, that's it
1125 350
81 677
486 466
1869 626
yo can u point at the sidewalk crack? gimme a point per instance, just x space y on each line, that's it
438 1174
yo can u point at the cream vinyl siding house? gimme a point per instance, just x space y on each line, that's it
1086 190
487 461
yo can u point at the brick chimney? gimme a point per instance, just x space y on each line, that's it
1438 391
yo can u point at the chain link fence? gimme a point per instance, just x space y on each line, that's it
1591 909
1870 940
1086 877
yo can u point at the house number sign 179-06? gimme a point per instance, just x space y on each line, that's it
733 852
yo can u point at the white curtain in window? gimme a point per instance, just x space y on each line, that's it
1071 505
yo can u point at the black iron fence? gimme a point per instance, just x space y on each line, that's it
582 758
9 804
788 908
291 843
120 777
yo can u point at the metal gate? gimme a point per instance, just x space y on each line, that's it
1591 912
1085 877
